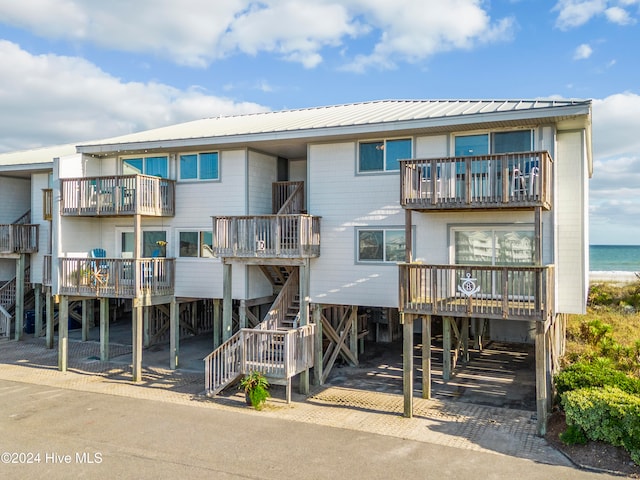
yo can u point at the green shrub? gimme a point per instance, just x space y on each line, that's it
574 435
606 414
599 373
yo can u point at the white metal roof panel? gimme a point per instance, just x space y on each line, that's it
280 123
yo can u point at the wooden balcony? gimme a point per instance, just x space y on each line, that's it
116 277
46 270
511 180
267 236
118 196
498 292
18 238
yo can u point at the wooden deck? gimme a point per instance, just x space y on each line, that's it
117 196
512 180
18 238
267 236
499 292
116 277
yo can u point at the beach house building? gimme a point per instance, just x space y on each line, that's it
291 236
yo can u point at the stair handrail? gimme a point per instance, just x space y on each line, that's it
24 219
222 366
278 310
5 323
8 290
294 202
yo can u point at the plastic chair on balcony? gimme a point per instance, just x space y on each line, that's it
100 269
426 177
523 182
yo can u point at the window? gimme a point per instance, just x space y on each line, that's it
196 244
199 166
154 244
383 155
381 245
493 246
154 166
500 142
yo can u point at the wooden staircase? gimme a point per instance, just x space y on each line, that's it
8 301
277 347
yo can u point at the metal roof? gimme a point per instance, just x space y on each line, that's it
340 119
35 159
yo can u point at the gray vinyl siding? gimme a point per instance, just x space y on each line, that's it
345 201
570 204
261 175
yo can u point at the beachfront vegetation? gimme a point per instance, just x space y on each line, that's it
599 386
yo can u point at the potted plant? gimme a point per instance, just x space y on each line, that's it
256 389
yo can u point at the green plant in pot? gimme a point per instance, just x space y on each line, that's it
256 389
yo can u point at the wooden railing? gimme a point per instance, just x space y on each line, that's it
502 292
510 180
116 277
118 195
267 236
287 198
19 238
277 315
47 203
8 290
279 354
46 270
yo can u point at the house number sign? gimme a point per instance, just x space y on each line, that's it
468 286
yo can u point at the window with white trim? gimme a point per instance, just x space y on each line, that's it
380 245
199 166
157 166
196 244
383 155
496 142
154 243
498 245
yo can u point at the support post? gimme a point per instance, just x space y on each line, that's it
407 364
174 334
63 333
318 352
146 312
104 329
38 313
242 314
19 308
216 323
136 327
85 321
227 302
446 348
464 336
541 378
353 334
304 318
49 319
426 356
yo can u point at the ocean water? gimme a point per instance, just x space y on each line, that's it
619 258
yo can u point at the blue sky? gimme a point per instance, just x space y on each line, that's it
75 70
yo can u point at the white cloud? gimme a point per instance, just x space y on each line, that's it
615 186
197 32
618 15
582 52
574 13
49 99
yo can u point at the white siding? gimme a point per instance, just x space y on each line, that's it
261 175
39 181
345 201
15 198
298 170
570 206
435 146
